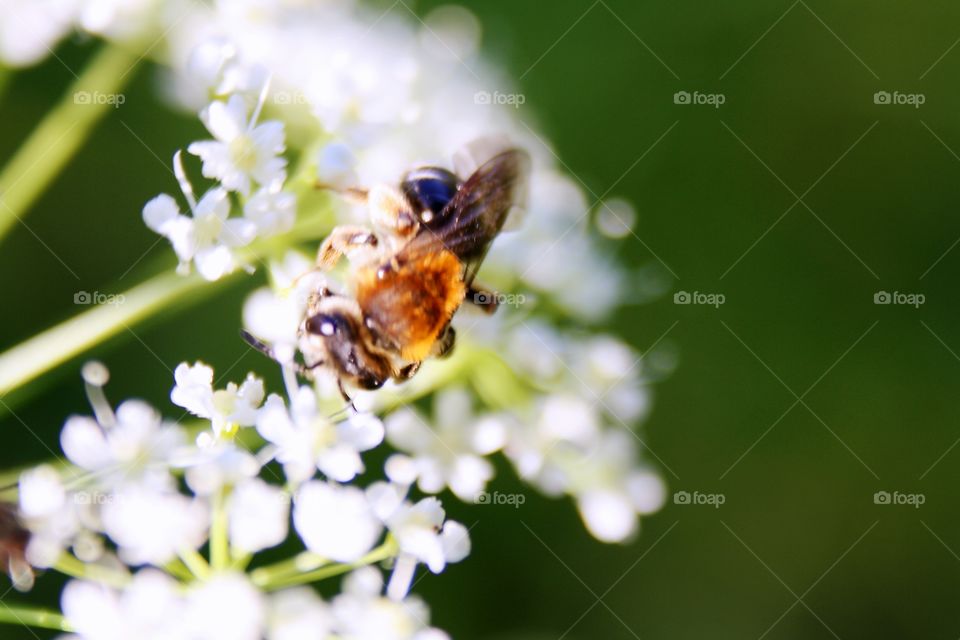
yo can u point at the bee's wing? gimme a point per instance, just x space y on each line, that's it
477 212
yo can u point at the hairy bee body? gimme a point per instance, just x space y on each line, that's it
409 303
417 268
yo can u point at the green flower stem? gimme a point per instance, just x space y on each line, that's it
219 540
387 550
178 570
32 617
56 345
195 562
62 131
300 563
71 566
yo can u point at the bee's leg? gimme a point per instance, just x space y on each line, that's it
390 210
443 347
407 372
345 396
342 240
481 297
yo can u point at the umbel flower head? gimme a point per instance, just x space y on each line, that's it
161 522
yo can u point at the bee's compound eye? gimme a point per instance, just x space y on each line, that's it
325 325
429 189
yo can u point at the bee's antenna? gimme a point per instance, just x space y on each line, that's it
257 344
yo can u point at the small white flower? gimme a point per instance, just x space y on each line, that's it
206 237
307 440
361 613
336 166
334 521
235 406
148 609
30 30
449 455
226 606
271 210
258 515
150 526
138 448
48 513
421 532
241 150
298 614
216 465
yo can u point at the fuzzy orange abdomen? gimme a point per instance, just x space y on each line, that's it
412 302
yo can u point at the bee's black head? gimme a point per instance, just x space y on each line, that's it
345 349
429 189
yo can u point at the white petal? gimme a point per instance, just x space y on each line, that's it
335 522
258 516
455 540
238 232
194 389
226 120
609 516
214 263
41 493
159 211
83 440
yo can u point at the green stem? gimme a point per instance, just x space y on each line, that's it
62 131
71 566
300 563
39 354
195 562
387 550
219 540
31 617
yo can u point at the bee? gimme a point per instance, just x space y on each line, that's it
409 274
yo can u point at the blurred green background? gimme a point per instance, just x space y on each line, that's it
798 477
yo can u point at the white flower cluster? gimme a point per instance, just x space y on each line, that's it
141 500
158 521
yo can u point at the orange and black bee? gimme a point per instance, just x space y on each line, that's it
409 273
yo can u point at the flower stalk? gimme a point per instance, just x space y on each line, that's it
33 617
62 131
